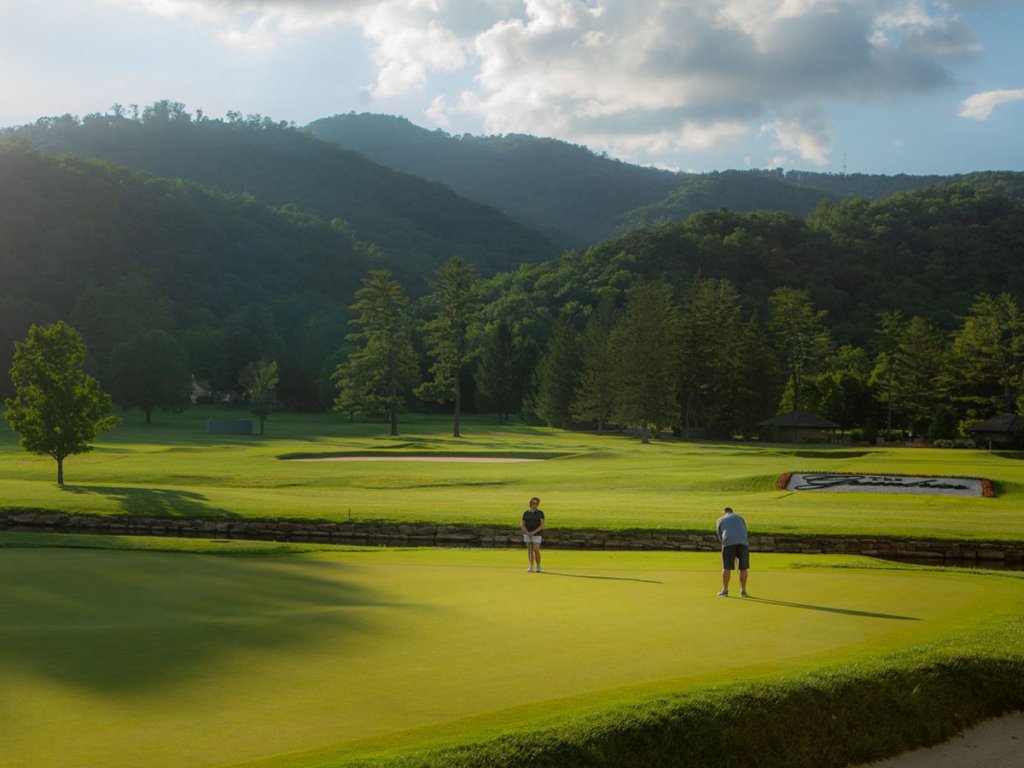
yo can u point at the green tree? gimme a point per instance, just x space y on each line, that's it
260 382
986 363
501 373
150 371
645 346
919 387
595 395
455 296
381 367
559 373
757 395
710 337
887 341
843 393
58 409
107 316
801 337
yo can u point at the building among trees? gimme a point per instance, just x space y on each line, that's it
1004 430
798 427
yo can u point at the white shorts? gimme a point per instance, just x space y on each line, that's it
528 539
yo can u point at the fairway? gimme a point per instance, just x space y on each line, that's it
173 469
163 658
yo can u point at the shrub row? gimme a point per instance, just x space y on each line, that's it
959 443
852 714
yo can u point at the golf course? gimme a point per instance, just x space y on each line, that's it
127 651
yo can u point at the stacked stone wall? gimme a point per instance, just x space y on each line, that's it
428 535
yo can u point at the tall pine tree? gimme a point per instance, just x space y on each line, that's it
645 346
594 398
501 373
381 368
455 298
559 373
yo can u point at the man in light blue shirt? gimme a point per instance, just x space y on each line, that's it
732 534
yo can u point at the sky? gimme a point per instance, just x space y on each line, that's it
856 86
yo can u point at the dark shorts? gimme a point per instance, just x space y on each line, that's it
733 551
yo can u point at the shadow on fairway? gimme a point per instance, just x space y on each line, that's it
602 578
136 622
841 454
155 502
829 609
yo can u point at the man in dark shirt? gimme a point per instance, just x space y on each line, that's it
532 524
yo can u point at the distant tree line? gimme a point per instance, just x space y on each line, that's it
692 360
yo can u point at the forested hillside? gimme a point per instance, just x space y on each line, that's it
569 193
739 191
416 223
926 253
229 286
117 252
578 198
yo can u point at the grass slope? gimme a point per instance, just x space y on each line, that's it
172 468
305 655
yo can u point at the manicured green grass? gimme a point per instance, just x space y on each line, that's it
306 655
173 468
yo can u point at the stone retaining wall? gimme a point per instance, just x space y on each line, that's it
401 534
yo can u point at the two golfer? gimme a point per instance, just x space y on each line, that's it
731 529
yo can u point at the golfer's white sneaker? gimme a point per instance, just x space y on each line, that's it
724 593
538 569
529 570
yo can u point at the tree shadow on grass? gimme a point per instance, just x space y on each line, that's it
602 578
117 623
837 454
155 502
829 609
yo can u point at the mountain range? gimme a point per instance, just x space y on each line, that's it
248 237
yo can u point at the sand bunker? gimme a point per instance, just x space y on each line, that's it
994 744
448 459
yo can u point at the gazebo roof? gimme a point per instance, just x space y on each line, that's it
799 420
1003 422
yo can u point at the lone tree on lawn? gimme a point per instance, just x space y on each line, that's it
260 381
150 371
58 409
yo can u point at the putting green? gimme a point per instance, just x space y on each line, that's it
126 658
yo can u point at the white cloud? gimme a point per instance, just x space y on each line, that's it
631 74
979 106
807 137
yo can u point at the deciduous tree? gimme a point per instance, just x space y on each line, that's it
260 381
987 356
150 371
58 409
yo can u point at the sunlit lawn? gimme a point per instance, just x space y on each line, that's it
156 658
173 468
